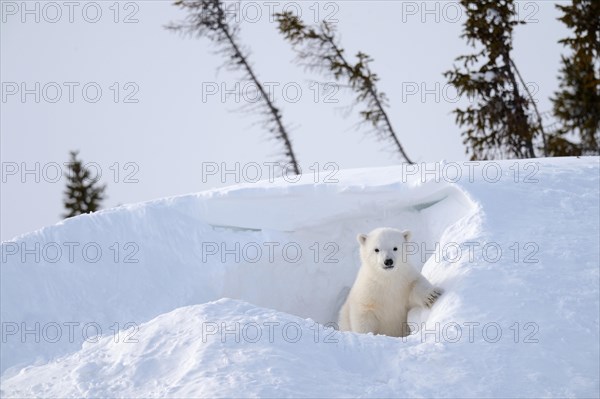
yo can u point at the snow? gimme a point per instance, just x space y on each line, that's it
183 322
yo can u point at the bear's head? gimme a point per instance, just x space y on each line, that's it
383 248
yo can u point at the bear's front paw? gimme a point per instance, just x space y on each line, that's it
433 296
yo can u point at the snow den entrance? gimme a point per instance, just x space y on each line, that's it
297 252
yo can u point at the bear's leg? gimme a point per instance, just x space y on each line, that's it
423 293
364 322
344 319
405 332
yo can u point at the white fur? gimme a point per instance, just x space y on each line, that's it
380 298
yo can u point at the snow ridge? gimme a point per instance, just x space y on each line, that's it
522 324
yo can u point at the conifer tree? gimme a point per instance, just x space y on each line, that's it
208 18
500 122
83 194
577 103
318 49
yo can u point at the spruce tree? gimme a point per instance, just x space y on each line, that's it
83 194
577 103
208 18
318 48
500 121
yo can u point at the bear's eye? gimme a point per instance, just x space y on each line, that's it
376 249
395 248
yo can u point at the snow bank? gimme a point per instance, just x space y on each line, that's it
183 357
293 249
541 295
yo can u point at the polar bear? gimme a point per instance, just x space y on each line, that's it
386 287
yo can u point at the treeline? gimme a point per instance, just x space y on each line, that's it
502 122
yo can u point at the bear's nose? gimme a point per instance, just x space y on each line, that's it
388 262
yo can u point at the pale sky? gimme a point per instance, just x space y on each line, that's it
155 123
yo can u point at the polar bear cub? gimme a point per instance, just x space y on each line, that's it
386 287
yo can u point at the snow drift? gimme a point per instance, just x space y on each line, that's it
514 244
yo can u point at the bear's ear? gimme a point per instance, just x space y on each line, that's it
361 238
407 234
